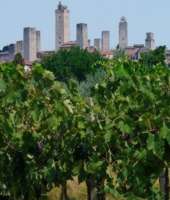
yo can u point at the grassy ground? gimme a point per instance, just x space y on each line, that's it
76 191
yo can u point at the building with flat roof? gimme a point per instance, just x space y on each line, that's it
89 43
38 40
108 54
32 43
69 45
19 47
97 44
4 57
82 36
150 41
105 40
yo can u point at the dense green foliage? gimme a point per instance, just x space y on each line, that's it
33 107
18 60
154 57
112 130
73 63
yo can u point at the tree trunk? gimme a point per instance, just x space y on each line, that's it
91 189
2 197
64 192
38 192
100 191
164 184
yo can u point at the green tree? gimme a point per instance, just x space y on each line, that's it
73 63
18 60
32 109
154 57
135 101
115 137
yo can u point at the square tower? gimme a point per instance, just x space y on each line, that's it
30 44
62 26
150 41
123 33
38 41
82 35
105 40
97 44
19 47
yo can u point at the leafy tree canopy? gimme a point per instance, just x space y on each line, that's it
73 63
111 131
154 57
18 59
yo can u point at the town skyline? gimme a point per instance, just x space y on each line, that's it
94 31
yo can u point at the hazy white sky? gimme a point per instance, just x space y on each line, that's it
142 15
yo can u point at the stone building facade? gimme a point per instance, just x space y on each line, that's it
30 44
82 36
105 40
19 47
123 33
62 26
97 44
150 41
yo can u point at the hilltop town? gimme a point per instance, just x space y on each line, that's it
30 45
